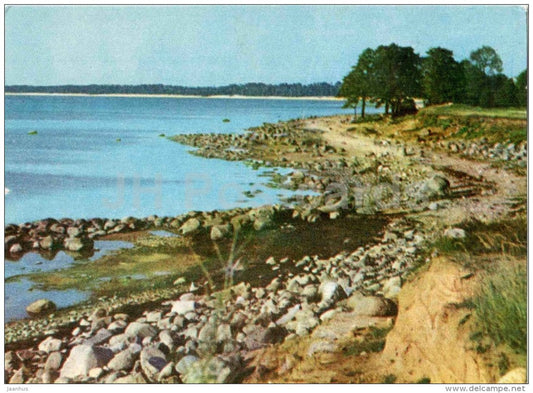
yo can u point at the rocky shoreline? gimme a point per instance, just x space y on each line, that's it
213 336
200 338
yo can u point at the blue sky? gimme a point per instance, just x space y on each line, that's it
218 45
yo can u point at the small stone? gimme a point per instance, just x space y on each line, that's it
96 372
455 233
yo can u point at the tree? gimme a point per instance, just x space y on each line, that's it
504 91
359 84
521 88
397 76
487 60
442 76
348 91
476 88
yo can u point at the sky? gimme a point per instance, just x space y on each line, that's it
214 45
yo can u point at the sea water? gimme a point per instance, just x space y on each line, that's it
106 156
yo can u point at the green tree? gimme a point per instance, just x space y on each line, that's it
442 76
487 60
521 88
397 76
505 92
348 91
477 89
359 84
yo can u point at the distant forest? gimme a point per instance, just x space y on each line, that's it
248 89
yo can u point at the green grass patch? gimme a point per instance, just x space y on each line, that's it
372 340
501 306
471 111
508 237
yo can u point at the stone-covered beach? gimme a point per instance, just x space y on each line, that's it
283 292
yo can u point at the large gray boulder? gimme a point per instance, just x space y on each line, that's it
83 358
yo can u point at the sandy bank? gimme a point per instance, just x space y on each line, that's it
239 97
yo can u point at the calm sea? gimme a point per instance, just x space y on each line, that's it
104 156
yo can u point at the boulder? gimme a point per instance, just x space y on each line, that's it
54 361
331 292
190 227
47 243
15 249
123 360
140 329
83 358
372 306
186 363
50 344
41 307
219 232
182 307
152 362
101 336
78 243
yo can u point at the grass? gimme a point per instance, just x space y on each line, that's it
501 307
471 111
34 132
372 340
493 128
507 237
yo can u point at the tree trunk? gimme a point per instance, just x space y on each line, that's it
386 107
354 113
363 109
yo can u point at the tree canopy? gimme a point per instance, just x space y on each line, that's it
393 76
248 89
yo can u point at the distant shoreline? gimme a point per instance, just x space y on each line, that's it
240 97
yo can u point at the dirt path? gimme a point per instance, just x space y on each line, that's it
505 186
